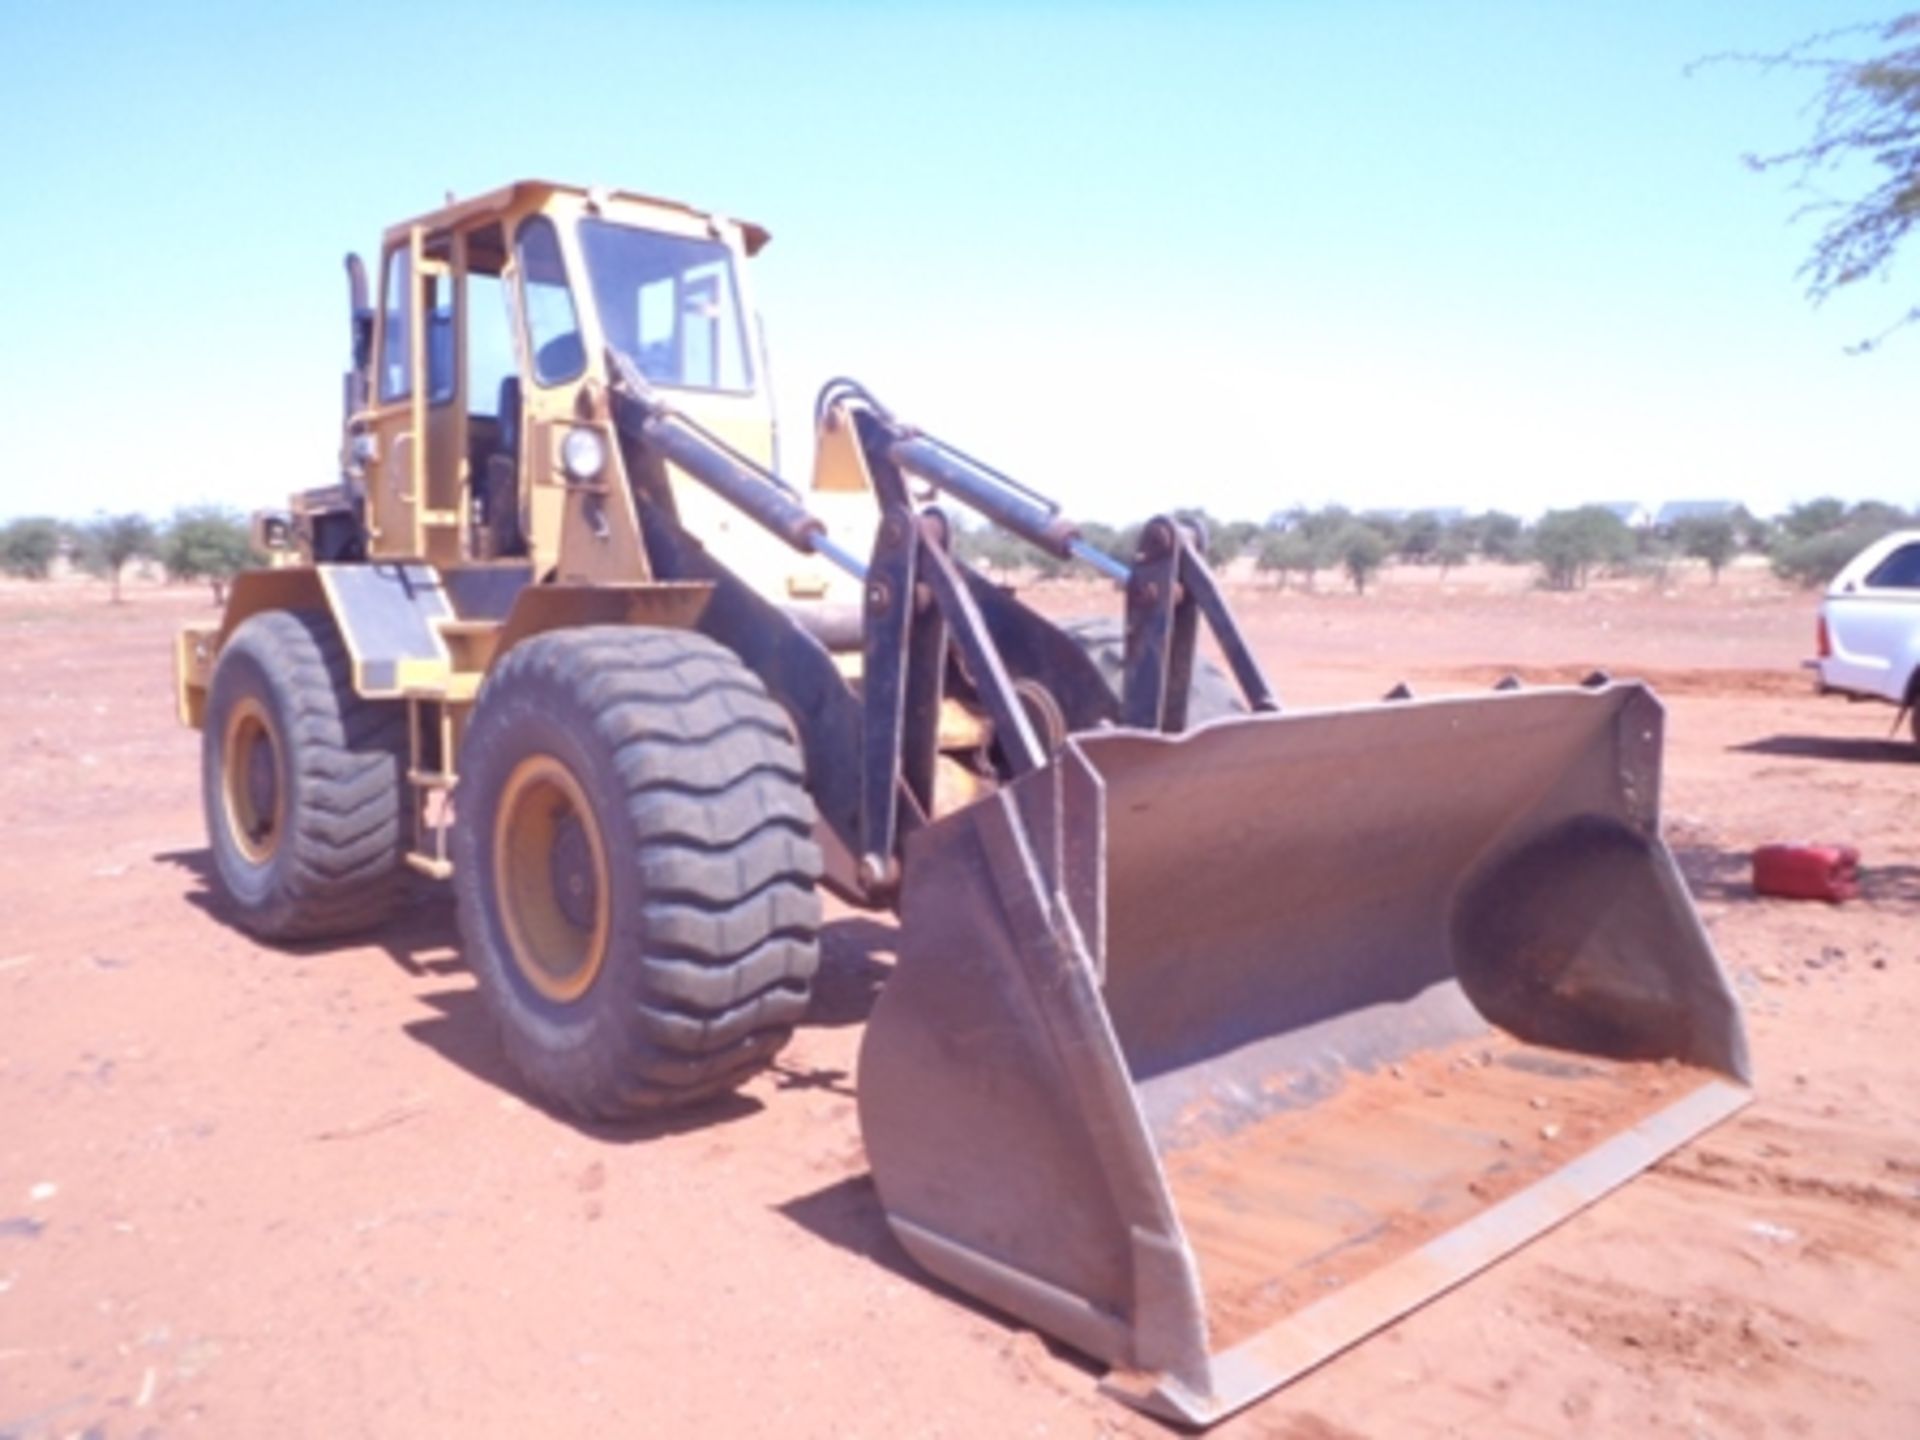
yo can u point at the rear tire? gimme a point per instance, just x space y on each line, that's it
1212 694
301 782
635 868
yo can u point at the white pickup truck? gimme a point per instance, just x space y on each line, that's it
1869 630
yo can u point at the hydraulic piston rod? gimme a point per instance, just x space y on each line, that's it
751 488
1004 501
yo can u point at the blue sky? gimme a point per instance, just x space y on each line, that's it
1248 256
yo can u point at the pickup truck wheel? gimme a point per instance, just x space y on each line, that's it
634 868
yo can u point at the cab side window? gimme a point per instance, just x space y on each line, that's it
396 379
396 345
1899 571
553 327
490 356
442 363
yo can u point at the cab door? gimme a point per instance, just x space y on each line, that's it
409 445
386 441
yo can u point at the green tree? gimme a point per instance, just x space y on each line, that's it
1360 550
28 547
1813 517
1420 537
1568 544
1119 541
1877 516
1390 528
1712 538
206 543
1866 122
1319 525
1810 557
1236 538
1289 552
1756 533
1499 536
108 542
1454 548
1652 560
1815 559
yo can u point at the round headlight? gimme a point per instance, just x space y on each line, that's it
584 454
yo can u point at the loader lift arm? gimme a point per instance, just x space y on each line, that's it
1168 584
871 761
921 605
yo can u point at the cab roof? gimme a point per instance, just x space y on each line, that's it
532 192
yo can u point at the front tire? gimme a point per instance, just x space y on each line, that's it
301 782
1211 694
635 868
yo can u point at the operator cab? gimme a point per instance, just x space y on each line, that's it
474 366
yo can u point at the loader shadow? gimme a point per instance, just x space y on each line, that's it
847 1214
1891 751
463 1033
1712 873
852 970
421 938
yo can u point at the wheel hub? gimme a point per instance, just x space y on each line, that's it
250 780
550 879
575 885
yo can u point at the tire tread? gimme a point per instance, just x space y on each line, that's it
725 864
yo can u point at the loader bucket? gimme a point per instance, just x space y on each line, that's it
1210 1055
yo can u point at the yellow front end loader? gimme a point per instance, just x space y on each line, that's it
1219 1035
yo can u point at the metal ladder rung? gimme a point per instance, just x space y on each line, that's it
430 858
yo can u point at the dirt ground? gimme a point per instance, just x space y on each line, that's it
247 1191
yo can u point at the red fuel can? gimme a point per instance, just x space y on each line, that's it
1807 872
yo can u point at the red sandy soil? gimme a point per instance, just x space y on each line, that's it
248 1191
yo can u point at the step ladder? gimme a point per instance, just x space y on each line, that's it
430 777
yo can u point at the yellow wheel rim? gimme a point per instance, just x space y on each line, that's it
250 780
550 875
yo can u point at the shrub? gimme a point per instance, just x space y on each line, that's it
1289 552
108 542
1713 539
28 547
1360 550
1568 544
1816 559
206 543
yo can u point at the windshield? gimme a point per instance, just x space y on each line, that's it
669 303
